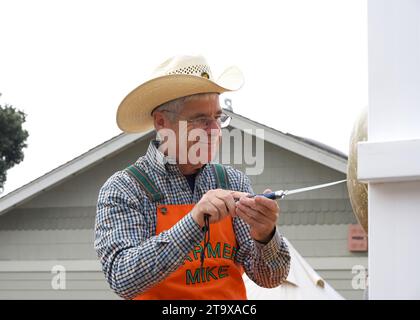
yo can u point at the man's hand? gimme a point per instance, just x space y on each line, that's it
217 203
261 214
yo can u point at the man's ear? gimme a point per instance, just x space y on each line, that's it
159 120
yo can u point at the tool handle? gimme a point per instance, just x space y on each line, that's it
270 195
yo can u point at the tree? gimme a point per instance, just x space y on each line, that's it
12 139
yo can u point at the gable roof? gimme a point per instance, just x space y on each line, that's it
305 147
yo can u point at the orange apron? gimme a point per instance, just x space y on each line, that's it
219 278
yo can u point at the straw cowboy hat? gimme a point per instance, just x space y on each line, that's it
177 77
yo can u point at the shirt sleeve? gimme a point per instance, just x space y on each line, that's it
132 259
266 264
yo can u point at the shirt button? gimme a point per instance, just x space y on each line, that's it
163 210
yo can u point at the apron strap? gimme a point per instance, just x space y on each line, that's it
152 191
220 173
145 182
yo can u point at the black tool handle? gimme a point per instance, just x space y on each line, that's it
270 195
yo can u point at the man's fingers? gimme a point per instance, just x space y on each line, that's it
238 194
213 211
260 204
229 203
241 214
254 214
220 205
267 203
245 215
230 197
224 201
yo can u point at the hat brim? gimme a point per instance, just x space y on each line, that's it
134 112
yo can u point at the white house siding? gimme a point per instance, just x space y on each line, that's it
58 225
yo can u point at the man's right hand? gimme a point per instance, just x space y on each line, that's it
218 204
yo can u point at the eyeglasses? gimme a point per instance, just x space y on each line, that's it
222 120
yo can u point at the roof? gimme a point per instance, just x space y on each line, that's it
305 147
320 145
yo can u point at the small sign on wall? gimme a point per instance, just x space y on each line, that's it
357 239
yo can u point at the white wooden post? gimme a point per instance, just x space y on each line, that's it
390 159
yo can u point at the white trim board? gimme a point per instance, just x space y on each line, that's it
389 161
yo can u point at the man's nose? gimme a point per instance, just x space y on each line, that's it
214 125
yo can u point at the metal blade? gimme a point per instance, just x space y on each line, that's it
282 193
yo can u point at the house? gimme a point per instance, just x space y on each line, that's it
46 226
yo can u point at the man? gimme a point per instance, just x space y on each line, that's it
152 217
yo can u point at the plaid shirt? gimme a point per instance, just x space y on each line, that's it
134 258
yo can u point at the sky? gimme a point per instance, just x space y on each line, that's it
68 65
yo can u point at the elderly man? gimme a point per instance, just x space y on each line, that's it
174 225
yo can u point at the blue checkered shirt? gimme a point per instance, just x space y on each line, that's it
134 258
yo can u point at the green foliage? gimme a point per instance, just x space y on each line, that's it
12 139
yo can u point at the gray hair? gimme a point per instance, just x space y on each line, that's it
176 105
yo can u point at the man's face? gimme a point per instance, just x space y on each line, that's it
197 130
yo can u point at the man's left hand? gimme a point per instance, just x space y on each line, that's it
261 214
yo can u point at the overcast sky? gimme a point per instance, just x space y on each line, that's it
68 64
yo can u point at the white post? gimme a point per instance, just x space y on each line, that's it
390 159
